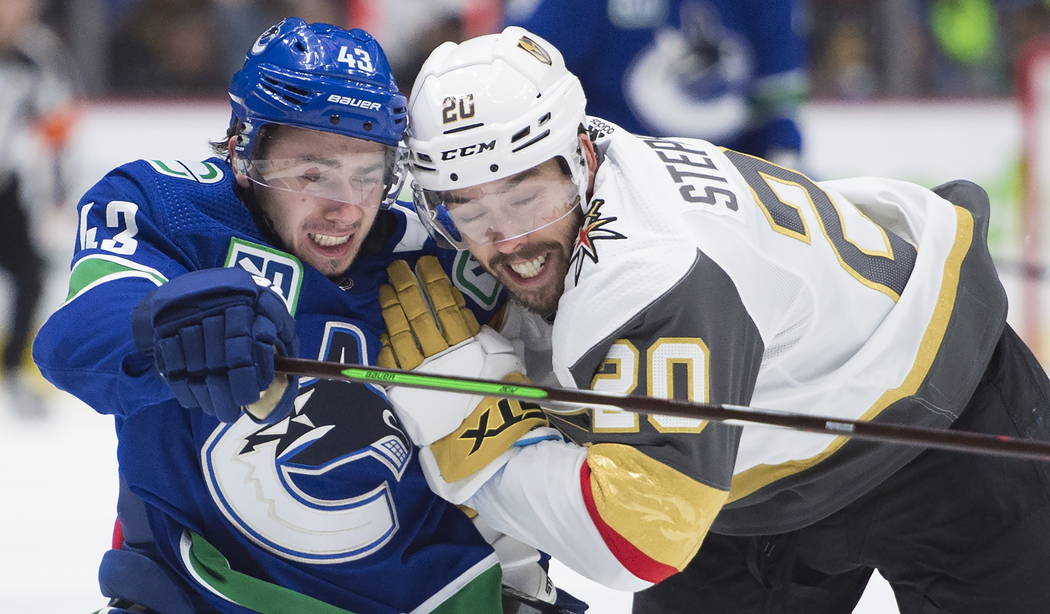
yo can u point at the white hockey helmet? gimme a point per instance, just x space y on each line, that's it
492 107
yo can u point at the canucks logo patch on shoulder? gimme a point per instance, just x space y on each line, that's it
201 172
593 229
282 270
474 281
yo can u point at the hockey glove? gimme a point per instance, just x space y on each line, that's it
464 438
213 334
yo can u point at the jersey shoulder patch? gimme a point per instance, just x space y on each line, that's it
206 171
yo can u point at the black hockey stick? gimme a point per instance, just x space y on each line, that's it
960 441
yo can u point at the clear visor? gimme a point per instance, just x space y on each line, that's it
364 176
497 211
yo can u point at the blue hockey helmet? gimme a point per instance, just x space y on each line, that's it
321 77
318 77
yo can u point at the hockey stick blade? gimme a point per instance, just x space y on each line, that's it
945 439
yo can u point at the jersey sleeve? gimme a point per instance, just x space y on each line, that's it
644 489
121 253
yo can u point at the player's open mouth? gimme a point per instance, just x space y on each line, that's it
328 240
527 269
536 272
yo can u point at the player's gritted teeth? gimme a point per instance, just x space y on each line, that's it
529 268
332 244
325 240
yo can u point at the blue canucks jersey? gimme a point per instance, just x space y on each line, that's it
326 510
728 71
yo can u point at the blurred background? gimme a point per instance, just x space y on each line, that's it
921 90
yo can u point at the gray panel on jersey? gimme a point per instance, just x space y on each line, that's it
976 323
704 305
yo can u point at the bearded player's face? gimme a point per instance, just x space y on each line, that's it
539 211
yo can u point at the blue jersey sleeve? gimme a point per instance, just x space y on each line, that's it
121 254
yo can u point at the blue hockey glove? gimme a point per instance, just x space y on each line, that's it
212 335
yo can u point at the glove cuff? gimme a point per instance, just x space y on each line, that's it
459 491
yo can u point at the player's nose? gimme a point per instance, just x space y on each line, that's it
338 211
509 246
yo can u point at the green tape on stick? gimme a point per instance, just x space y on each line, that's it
445 383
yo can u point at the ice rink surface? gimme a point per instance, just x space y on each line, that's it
57 500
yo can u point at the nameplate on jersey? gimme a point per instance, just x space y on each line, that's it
200 172
474 281
282 270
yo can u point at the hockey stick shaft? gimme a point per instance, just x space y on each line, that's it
945 439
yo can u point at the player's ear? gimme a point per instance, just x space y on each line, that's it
590 157
239 170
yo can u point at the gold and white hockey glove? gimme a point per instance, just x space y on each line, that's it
464 438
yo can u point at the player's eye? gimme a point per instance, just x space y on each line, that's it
472 216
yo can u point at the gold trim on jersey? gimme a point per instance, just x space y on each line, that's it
659 510
805 235
807 186
751 480
886 253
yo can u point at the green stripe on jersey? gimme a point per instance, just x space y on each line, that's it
210 567
91 271
481 594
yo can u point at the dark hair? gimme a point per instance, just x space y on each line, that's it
221 147
562 164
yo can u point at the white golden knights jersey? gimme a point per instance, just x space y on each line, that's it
713 276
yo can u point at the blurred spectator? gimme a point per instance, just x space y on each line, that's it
36 113
730 71
845 56
188 47
163 46
443 23
860 49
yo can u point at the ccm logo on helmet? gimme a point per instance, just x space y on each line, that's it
367 105
468 150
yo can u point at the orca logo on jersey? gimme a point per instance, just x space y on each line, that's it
316 487
593 229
